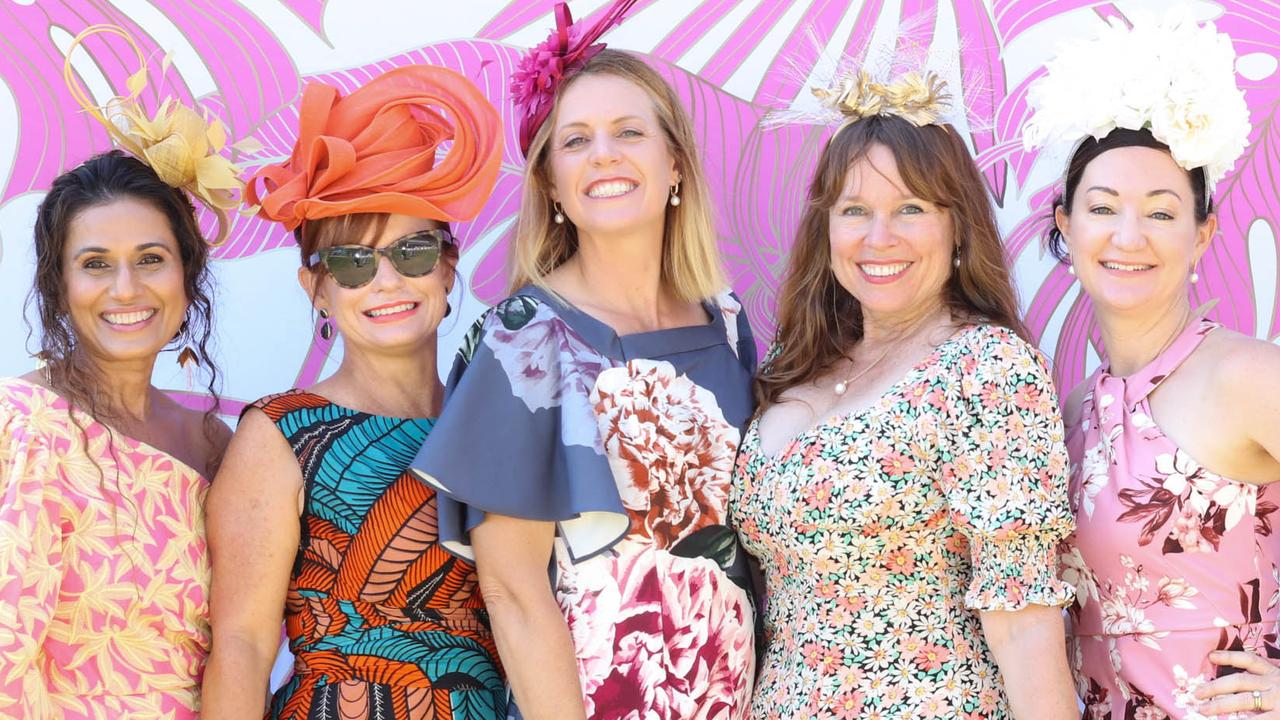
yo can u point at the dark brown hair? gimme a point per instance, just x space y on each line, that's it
100 180
1087 152
818 320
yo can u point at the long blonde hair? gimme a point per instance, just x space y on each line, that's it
690 256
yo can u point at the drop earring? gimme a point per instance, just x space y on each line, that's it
448 308
558 217
1195 276
675 194
955 261
186 356
326 328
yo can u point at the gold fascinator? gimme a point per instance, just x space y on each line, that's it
182 146
919 98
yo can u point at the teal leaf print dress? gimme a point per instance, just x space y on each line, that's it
883 532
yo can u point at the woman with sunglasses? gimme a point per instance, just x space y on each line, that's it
313 515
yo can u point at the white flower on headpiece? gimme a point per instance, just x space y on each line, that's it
1172 76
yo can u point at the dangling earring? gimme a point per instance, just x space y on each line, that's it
1071 269
326 329
559 216
675 194
955 261
448 309
1195 276
186 355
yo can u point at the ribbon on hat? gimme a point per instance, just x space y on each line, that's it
374 151
181 146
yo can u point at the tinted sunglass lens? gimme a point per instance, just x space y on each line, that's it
351 267
415 257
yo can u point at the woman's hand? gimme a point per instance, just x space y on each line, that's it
1256 690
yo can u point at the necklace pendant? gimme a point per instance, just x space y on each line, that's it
840 388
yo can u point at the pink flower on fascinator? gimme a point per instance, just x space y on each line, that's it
542 71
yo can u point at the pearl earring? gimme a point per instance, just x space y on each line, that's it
675 194
559 216
1195 277
1071 269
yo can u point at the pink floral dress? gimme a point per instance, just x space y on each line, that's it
883 532
627 444
103 572
1170 561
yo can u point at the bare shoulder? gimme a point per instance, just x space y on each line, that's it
1244 371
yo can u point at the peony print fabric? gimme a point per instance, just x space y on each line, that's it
627 443
882 532
104 574
1170 560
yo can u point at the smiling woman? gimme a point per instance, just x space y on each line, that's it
102 476
613 384
314 517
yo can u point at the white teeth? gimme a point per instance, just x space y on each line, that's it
391 310
612 188
1126 268
884 270
131 318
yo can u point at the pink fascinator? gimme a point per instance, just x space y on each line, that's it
546 67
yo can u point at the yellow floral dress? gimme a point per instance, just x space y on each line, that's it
103 571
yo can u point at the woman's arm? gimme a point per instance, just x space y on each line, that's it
253 538
512 557
1030 648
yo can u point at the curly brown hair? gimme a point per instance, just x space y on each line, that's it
98 181
818 320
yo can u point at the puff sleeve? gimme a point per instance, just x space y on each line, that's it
1005 472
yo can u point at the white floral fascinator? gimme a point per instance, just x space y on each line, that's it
1171 76
182 146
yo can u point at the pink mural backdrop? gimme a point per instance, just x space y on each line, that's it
730 62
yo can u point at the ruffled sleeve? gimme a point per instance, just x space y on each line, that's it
518 436
30 562
1005 472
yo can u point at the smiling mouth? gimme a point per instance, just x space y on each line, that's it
610 189
883 270
1124 267
390 309
129 318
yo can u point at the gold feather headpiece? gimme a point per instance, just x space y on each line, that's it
182 146
919 98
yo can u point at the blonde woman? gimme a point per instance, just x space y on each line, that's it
592 418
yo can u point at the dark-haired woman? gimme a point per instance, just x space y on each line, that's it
904 483
314 516
1175 438
103 571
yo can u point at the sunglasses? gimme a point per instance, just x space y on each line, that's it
413 255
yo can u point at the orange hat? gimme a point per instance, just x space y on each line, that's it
374 151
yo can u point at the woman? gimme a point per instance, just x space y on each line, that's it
1175 439
103 572
593 417
904 483
313 515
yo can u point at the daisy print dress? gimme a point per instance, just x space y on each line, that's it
1170 561
882 533
627 444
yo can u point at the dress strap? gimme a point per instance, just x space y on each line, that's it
1142 383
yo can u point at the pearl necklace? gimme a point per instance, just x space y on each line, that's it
842 386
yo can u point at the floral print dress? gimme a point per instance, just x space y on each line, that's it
1170 561
627 444
104 574
882 532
